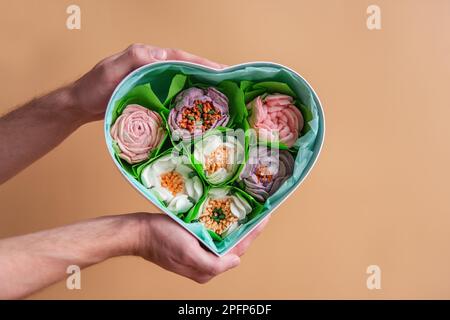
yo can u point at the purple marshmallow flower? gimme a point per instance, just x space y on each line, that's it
197 111
266 170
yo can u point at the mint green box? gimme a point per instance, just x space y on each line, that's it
309 145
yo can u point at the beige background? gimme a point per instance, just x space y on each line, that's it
378 195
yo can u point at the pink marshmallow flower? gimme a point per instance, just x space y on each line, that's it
137 131
275 115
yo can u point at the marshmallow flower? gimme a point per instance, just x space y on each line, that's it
220 156
197 111
276 118
265 171
137 131
222 210
174 182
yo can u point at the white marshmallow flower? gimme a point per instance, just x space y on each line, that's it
220 157
174 182
223 210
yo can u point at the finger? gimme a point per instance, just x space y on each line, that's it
175 54
190 273
136 56
201 266
210 265
242 247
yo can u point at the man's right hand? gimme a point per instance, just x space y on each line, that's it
165 243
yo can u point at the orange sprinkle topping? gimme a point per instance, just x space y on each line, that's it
263 174
217 215
173 181
202 115
216 160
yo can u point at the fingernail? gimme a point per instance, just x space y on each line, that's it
159 54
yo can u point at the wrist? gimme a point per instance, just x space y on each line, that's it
103 238
61 107
125 233
142 240
71 106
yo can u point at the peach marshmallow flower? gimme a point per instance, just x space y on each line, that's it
137 131
275 115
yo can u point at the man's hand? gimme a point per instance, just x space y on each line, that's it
34 129
31 262
29 132
165 243
94 89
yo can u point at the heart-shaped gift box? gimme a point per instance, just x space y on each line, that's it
155 87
